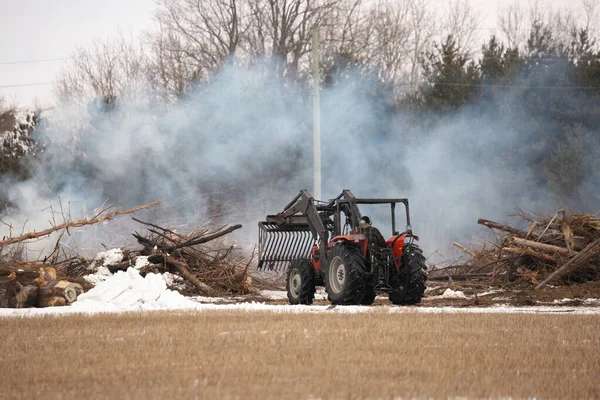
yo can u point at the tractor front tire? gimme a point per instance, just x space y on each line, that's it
408 283
300 282
345 275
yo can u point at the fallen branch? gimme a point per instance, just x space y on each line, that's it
541 246
205 239
505 228
529 252
573 261
530 231
74 224
463 248
185 274
158 227
550 223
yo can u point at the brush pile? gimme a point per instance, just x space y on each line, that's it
556 249
211 269
198 263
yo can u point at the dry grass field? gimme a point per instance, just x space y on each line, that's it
222 354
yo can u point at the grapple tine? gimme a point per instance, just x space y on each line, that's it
278 246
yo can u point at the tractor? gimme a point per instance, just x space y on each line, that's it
319 243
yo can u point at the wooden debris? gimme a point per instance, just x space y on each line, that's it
99 217
560 248
541 246
571 263
209 269
529 252
505 228
463 248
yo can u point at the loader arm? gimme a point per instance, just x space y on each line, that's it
303 211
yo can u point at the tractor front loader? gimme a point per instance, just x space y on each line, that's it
320 244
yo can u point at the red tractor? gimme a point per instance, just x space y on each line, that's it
320 244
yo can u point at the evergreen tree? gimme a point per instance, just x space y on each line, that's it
451 78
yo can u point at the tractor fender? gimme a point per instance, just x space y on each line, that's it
357 239
396 243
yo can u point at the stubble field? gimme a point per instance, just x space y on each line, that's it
236 354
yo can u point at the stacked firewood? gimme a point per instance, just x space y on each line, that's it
556 249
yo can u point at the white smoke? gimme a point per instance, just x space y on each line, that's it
245 139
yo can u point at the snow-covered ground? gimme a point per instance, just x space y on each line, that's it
282 308
127 291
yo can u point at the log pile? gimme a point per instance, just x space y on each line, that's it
45 291
553 250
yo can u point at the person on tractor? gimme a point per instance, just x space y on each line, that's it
373 235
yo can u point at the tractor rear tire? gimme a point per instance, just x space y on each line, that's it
408 283
300 282
345 275
370 295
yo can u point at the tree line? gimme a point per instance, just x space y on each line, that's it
535 78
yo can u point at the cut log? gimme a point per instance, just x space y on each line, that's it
541 246
505 228
532 253
58 293
21 296
571 263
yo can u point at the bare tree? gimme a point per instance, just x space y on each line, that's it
387 37
282 31
460 21
513 25
170 70
391 36
591 16
564 23
422 27
108 70
206 32
346 39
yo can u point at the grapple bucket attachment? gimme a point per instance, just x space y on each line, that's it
279 245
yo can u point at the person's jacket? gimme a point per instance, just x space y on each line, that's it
373 236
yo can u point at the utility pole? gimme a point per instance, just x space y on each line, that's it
316 113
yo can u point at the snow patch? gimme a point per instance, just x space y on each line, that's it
141 262
173 281
101 274
450 294
100 265
186 304
563 301
130 291
274 294
490 292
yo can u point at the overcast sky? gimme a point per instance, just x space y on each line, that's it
51 29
